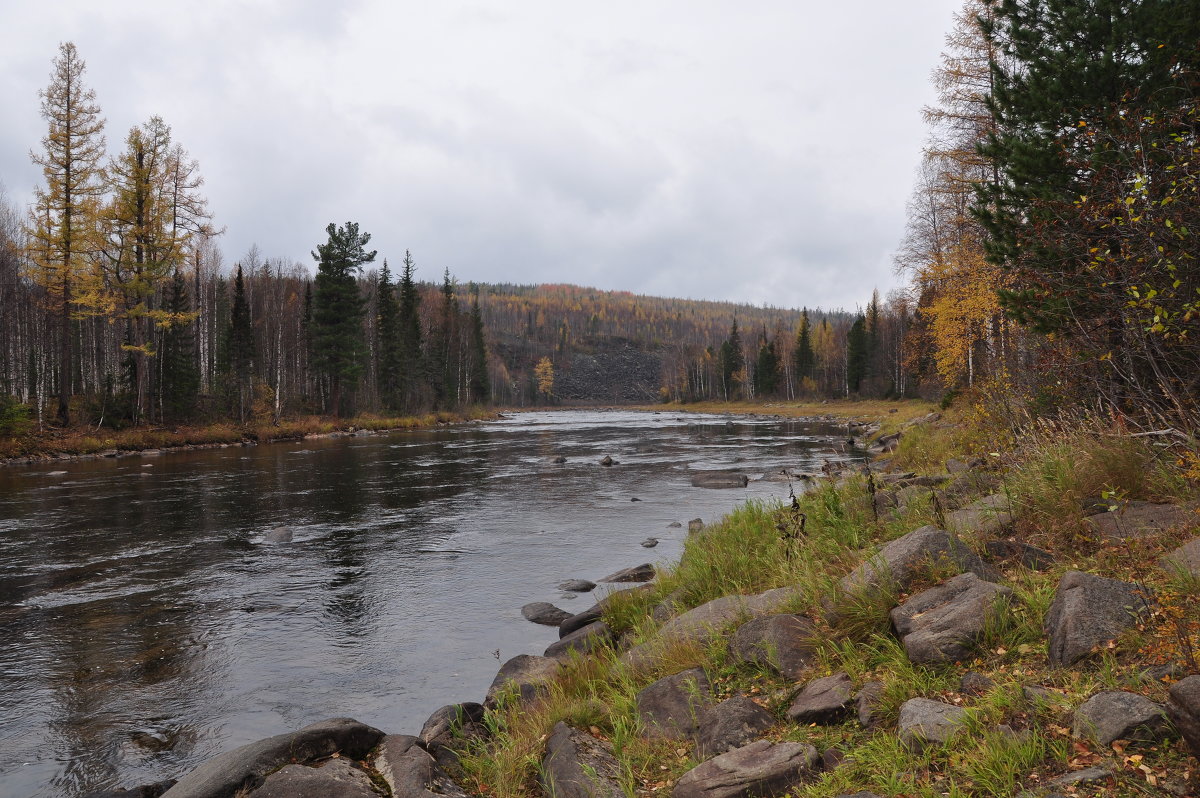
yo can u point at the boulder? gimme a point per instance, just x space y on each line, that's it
410 771
588 616
1183 707
144 791
988 515
903 560
730 724
1141 520
335 779
674 525
246 767
761 768
719 480
559 460
923 722
1118 715
448 728
280 534
577 586
577 765
956 466
1078 777
584 640
1087 611
1185 558
607 461
544 612
823 701
670 707
1030 557
638 573
975 683
943 623
527 673
695 525
782 642
868 701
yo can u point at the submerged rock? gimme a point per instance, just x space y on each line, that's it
719 480
577 585
545 613
638 573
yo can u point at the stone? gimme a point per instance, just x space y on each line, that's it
1141 520
868 701
144 791
957 466
607 461
675 525
577 765
638 573
1183 707
943 623
832 758
527 673
670 707
336 779
588 616
584 641
1085 776
280 534
446 722
761 768
719 480
246 767
1118 715
924 722
649 543
903 560
988 515
695 525
860 794
975 683
577 586
1087 611
1027 556
730 724
410 771
559 460
781 642
1186 558
823 701
544 612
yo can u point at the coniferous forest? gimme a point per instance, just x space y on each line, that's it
1050 252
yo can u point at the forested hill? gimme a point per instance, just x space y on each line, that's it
615 346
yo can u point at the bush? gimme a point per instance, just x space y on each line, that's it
15 417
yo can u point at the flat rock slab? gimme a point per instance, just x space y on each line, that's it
1087 611
337 779
782 642
924 722
577 765
988 515
761 768
730 724
544 612
583 641
246 767
1141 520
1183 707
1185 558
638 573
719 480
943 623
900 562
1118 715
671 706
527 673
410 771
823 701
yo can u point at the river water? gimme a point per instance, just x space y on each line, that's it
147 621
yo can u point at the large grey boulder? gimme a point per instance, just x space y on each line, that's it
1183 707
719 479
585 640
544 612
246 767
730 724
527 673
943 623
1089 610
671 706
580 620
410 771
449 728
761 768
335 779
1118 715
782 642
638 573
988 515
826 700
577 765
1186 558
1141 520
924 722
901 561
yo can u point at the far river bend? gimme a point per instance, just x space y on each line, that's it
146 623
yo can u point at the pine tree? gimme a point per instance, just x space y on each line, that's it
805 360
480 385
732 364
446 360
412 370
62 228
387 348
856 355
239 348
180 381
766 368
338 343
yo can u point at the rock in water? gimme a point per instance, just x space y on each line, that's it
607 461
577 585
638 573
649 543
279 534
719 479
545 613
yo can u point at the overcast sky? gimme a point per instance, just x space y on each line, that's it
758 151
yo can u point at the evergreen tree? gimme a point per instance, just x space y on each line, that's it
480 385
856 354
412 371
387 347
804 358
446 359
180 380
732 363
766 368
337 329
239 348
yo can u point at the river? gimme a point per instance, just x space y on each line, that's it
147 621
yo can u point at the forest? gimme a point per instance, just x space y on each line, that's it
1050 253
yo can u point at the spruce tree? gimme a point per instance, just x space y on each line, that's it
479 383
337 329
446 361
387 346
180 380
804 358
412 370
856 355
732 363
238 350
766 368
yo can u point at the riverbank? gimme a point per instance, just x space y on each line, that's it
884 411
87 442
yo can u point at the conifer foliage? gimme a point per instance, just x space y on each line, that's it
338 343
